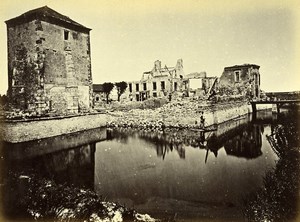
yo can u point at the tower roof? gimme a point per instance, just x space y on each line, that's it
48 15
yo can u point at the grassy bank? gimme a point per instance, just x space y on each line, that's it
279 199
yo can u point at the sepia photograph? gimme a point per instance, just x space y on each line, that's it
149 111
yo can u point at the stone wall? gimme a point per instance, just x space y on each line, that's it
175 114
20 131
32 149
240 79
42 57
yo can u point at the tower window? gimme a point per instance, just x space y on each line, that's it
66 35
237 76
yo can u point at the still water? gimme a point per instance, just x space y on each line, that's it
176 173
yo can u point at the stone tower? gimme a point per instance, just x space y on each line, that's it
49 63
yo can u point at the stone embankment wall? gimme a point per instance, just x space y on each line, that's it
30 130
181 114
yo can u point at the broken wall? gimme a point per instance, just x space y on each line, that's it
240 80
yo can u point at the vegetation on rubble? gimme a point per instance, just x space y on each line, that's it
43 199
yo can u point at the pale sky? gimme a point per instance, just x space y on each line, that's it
128 36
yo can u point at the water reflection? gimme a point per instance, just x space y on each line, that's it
239 138
72 167
67 159
186 172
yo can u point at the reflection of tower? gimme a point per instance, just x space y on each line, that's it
75 166
246 143
213 144
257 135
70 166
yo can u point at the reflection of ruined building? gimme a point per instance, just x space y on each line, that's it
241 79
49 66
247 144
159 82
241 140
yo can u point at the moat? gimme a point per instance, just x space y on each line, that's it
178 174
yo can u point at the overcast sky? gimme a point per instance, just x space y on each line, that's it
128 36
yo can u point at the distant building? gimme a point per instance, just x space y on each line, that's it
241 79
98 94
49 64
159 82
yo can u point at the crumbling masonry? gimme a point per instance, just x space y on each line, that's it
49 64
241 80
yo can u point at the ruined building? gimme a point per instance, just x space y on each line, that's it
159 82
241 80
200 85
171 82
49 64
98 94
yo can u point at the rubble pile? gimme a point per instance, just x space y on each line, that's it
169 115
177 114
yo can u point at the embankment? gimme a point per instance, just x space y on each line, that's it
182 114
21 131
176 114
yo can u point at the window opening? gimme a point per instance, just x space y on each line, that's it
66 35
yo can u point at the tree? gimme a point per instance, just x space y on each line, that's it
107 88
121 87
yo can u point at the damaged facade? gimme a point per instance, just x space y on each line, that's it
241 80
49 64
200 86
171 82
159 82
